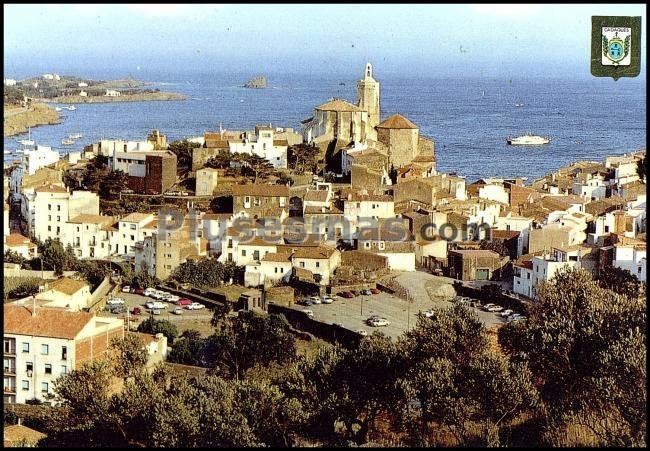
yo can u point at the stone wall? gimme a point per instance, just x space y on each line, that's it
363 177
363 260
413 189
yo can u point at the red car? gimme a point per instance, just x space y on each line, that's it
183 302
139 291
346 294
375 291
136 311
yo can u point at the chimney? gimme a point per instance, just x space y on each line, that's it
159 336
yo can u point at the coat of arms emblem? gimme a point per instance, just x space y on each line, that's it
616 46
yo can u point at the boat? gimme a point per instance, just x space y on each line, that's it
67 142
58 108
519 104
29 141
75 136
528 140
7 152
72 108
20 151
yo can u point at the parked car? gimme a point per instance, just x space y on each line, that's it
126 289
171 298
116 309
308 312
379 322
155 305
486 307
346 294
159 294
195 306
327 300
139 291
148 292
375 290
506 313
373 318
362 332
177 311
314 299
366 292
136 311
115 301
183 301
305 302
495 308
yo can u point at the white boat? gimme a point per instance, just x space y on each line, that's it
519 104
72 108
67 142
29 141
7 152
20 151
75 136
528 140
58 108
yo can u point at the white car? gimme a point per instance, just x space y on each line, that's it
126 289
177 311
159 294
155 305
314 299
148 292
362 332
195 306
379 322
495 308
506 313
170 298
115 301
487 307
327 300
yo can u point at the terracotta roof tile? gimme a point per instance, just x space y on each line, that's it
19 435
92 219
316 195
338 105
48 322
50 188
261 190
135 217
397 121
16 239
67 285
277 257
315 252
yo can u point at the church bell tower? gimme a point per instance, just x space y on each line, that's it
368 94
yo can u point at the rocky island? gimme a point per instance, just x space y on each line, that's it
258 82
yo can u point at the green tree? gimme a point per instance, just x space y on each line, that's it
220 161
154 326
584 345
189 349
131 355
142 279
113 184
240 343
56 257
183 151
621 281
302 157
13 257
261 167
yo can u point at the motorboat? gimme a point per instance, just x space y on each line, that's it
528 140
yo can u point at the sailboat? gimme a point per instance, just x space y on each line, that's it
29 141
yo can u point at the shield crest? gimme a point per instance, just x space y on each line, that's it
616 46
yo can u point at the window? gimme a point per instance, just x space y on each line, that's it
132 237
243 252
58 208
45 349
25 385
77 228
9 346
49 217
25 347
64 352
302 264
606 229
48 368
29 367
276 269
45 387
58 230
367 245
132 226
318 264
49 206
382 245
358 205
64 370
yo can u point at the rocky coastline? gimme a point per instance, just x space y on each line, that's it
139 97
17 120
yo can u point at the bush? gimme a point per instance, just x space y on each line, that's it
153 326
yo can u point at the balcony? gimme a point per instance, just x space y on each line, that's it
10 389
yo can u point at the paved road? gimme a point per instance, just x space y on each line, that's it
135 300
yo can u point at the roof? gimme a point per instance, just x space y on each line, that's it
504 234
316 195
314 210
91 219
361 197
135 217
17 434
261 190
50 188
476 253
216 216
153 224
280 142
67 285
16 239
315 252
424 158
338 105
48 322
277 257
397 121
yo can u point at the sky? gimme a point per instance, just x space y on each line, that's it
484 40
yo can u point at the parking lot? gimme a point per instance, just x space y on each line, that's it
402 315
135 300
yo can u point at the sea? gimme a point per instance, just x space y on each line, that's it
468 118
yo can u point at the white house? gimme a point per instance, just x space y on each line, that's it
272 269
263 144
9 82
39 157
631 257
590 187
494 192
89 235
41 344
20 244
83 93
53 206
320 195
132 229
206 181
66 293
112 93
82 84
359 208
320 260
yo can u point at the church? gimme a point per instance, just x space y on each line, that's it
346 129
